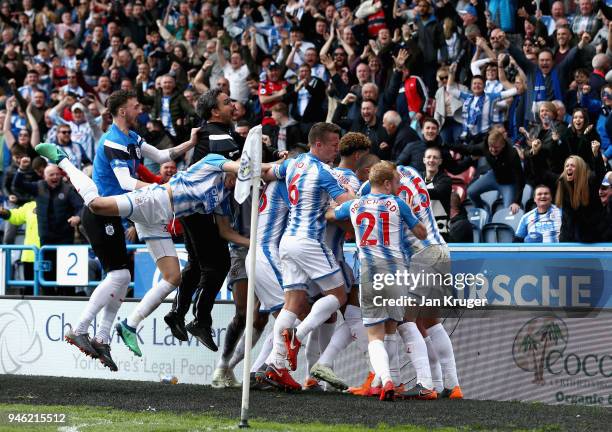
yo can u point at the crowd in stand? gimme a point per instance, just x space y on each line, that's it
512 97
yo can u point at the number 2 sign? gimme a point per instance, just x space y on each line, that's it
72 265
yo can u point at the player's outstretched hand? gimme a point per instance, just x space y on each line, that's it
194 136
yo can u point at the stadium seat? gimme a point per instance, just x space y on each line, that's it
497 233
478 218
527 196
489 199
504 216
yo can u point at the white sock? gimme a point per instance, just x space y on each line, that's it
434 366
444 349
326 332
393 353
321 310
312 349
266 349
352 316
380 360
417 352
376 382
285 319
116 281
109 313
239 351
339 341
81 182
151 301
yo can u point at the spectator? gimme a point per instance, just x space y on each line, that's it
367 124
582 139
83 128
398 134
449 109
460 228
286 134
308 99
544 220
26 214
271 91
583 218
586 20
505 175
57 206
477 107
170 106
439 186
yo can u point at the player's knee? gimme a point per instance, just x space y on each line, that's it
122 276
173 278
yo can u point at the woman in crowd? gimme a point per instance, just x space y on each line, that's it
578 197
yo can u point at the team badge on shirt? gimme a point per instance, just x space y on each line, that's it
110 230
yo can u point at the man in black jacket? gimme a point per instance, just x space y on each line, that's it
308 100
209 260
367 124
57 208
506 173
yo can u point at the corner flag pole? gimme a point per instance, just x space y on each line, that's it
250 170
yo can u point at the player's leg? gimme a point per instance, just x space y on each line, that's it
277 372
190 278
164 253
380 357
107 239
443 348
434 362
260 319
351 328
234 329
84 185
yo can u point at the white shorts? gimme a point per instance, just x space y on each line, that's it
305 260
378 300
268 279
150 210
432 264
161 247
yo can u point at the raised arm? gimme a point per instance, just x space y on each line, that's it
9 138
35 138
162 156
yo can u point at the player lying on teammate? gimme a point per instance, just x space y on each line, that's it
379 218
203 188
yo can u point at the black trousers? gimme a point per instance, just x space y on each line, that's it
206 268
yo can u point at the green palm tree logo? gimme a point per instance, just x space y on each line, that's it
534 340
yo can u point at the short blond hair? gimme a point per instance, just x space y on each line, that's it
381 172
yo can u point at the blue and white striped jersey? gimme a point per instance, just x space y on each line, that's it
310 184
334 235
548 224
273 214
200 188
414 192
115 149
380 221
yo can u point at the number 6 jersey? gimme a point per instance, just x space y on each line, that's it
310 184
